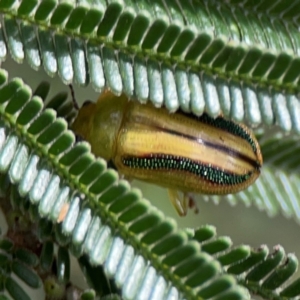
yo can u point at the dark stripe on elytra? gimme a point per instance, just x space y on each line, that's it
225 125
170 162
221 148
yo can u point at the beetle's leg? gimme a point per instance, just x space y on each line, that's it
110 164
78 138
129 179
180 203
75 104
191 202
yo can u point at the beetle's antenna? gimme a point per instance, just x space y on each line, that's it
75 104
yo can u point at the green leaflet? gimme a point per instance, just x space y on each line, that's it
236 58
258 270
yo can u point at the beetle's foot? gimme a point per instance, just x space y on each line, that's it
183 202
180 203
191 202
122 176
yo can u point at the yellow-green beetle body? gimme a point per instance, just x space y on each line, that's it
178 151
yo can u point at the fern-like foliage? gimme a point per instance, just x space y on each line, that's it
263 273
109 220
235 57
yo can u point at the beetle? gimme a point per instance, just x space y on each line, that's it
176 150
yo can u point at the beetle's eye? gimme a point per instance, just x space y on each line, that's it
87 102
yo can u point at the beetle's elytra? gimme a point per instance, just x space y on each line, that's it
179 151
